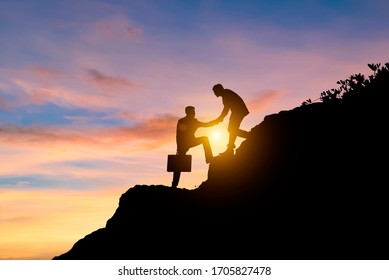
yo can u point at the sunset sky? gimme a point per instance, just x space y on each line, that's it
90 93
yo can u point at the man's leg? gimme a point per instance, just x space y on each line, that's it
242 133
233 129
207 147
177 174
176 178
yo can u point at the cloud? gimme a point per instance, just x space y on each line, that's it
45 72
59 95
3 86
93 89
120 115
4 103
109 84
108 118
152 132
116 29
264 99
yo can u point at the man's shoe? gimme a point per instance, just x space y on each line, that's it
228 152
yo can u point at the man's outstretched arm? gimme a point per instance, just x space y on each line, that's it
223 114
209 124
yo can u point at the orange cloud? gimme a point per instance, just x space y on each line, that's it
120 115
157 130
58 95
264 99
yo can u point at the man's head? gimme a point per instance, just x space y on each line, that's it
218 89
190 111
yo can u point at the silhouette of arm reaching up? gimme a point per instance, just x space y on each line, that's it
223 114
209 124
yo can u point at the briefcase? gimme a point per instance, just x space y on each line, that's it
182 163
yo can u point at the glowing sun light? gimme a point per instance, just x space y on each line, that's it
218 138
216 135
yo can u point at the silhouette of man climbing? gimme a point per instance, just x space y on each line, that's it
185 138
234 103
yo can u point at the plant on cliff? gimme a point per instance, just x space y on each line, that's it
356 85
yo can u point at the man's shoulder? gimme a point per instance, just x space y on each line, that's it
228 92
183 119
187 120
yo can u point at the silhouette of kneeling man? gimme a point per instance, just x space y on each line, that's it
234 103
185 138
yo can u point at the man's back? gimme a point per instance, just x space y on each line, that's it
186 129
233 101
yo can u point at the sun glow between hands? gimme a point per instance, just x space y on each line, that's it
216 135
218 138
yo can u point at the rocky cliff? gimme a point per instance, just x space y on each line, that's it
308 183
